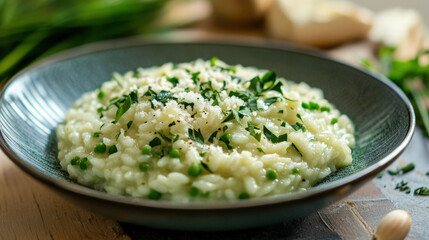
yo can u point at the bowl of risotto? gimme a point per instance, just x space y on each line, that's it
201 135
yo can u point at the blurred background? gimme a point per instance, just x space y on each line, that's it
387 36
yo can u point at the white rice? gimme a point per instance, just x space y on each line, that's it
309 154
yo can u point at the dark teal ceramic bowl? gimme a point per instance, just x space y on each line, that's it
35 101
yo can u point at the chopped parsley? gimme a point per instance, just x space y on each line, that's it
226 138
272 137
251 129
113 149
212 136
173 80
334 120
96 134
129 124
155 142
196 135
123 108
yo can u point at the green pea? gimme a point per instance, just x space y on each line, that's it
314 106
75 160
295 171
194 192
83 163
271 174
305 105
194 170
174 153
147 150
154 195
143 166
113 149
325 109
100 147
243 195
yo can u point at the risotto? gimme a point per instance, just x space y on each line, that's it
203 131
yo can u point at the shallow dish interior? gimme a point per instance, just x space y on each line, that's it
36 100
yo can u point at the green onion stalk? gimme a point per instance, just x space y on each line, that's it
33 29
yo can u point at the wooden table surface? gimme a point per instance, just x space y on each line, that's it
29 210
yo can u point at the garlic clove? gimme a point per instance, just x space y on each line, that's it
394 226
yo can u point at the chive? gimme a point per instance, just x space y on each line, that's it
193 192
143 166
129 124
100 147
243 195
271 174
167 139
100 94
154 195
172 124
280 111
83 163
423 191
408 168
175 137
96 134
325 109
155 142
333 121
297 126
404 169
305 105
203 153
296 171
147 150
283 124
260 150
113 149
294 147
299 117
75 161
393 172
380 176
194 170
174 153
117 136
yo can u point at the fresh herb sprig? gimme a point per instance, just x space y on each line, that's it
410 75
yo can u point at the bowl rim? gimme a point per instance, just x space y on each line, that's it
337 186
